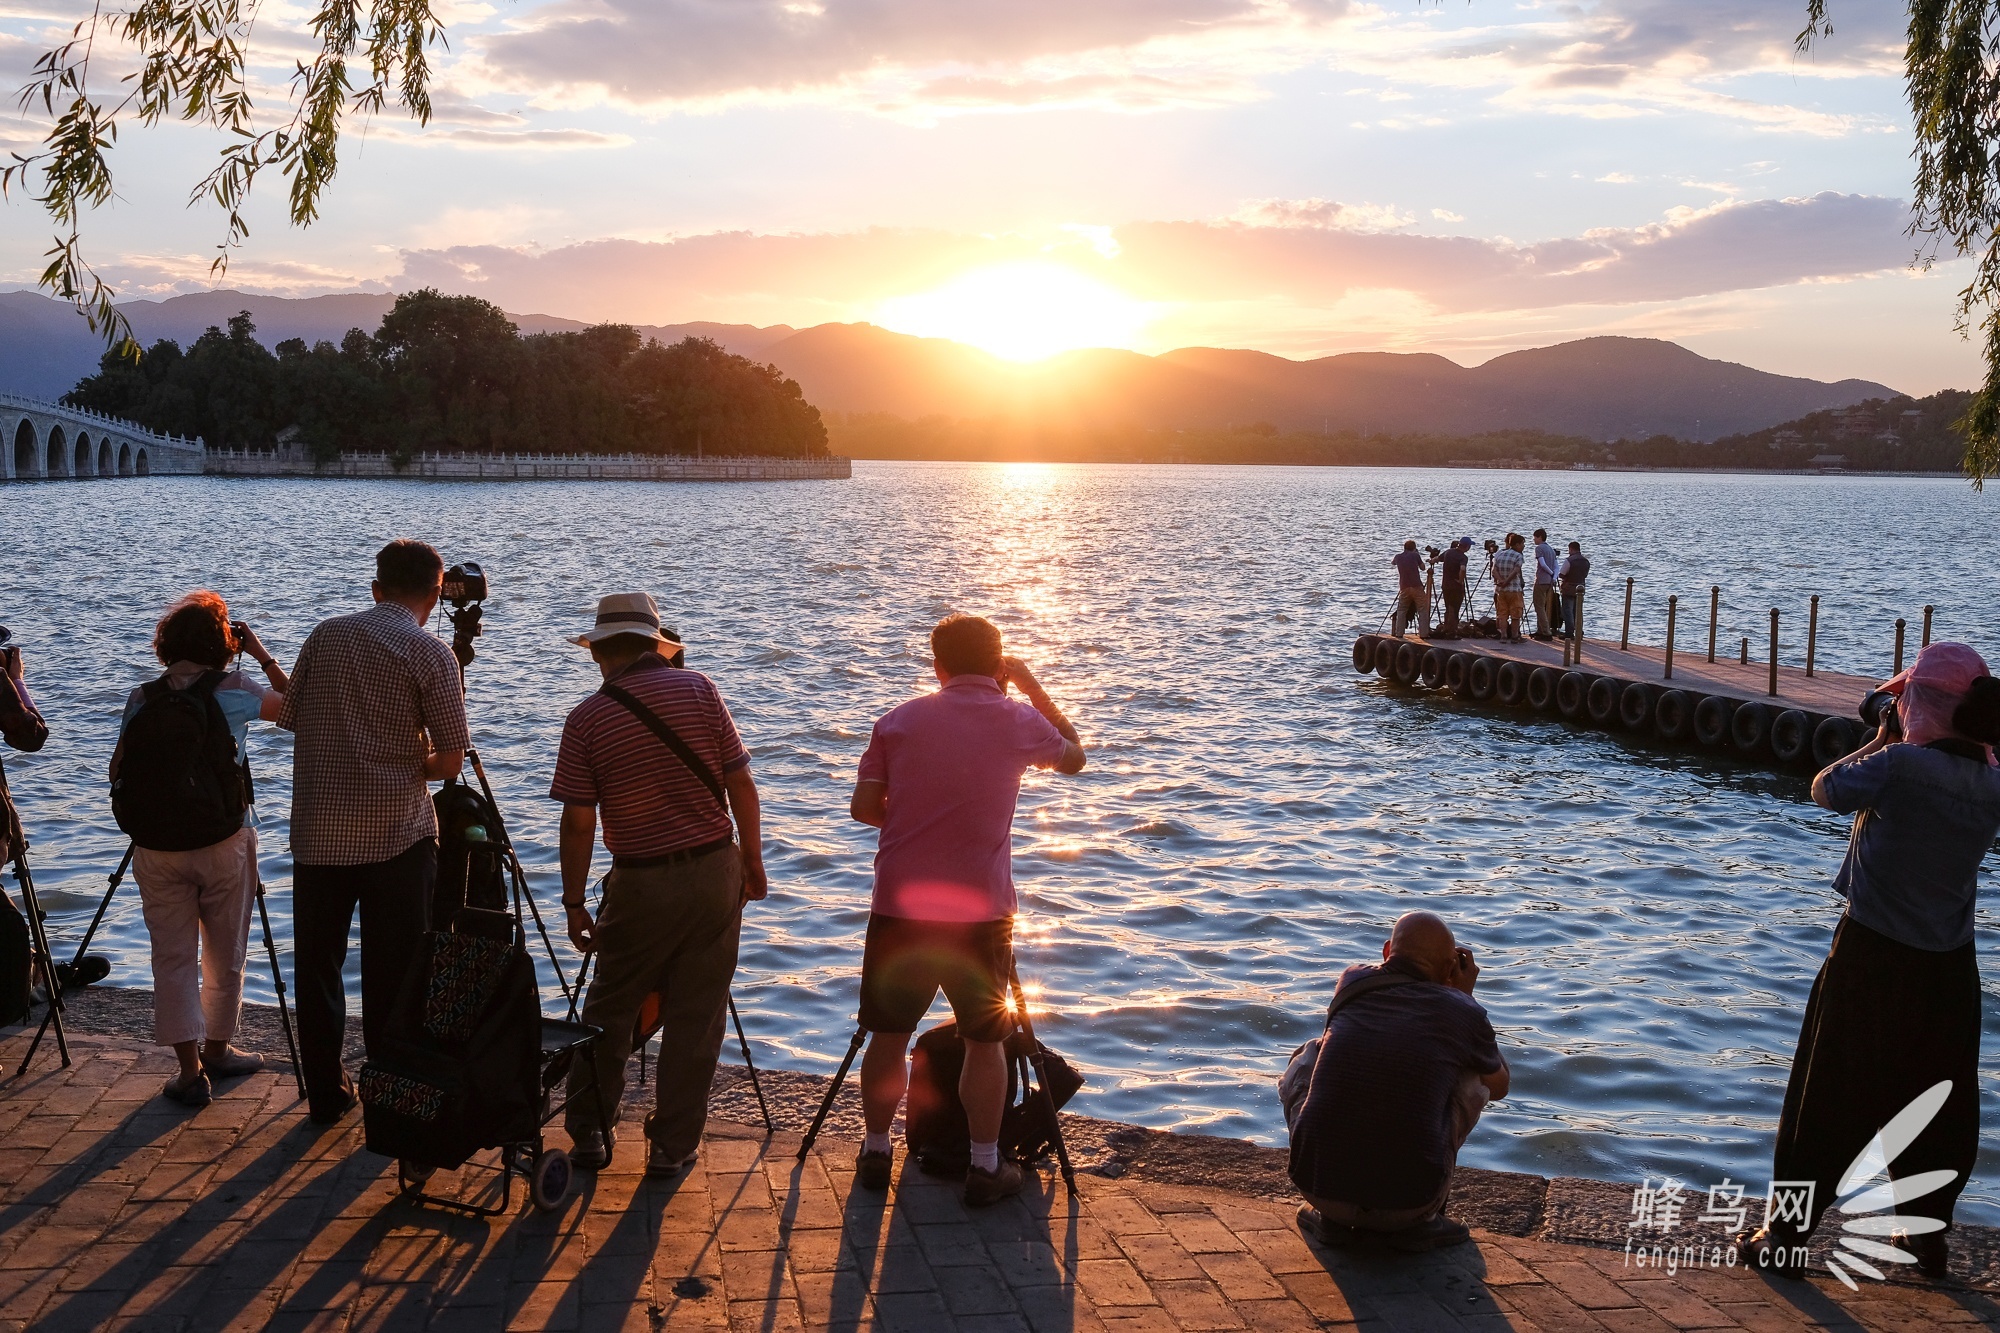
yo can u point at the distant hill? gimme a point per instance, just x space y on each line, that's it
1893 434
1598 388
1595 388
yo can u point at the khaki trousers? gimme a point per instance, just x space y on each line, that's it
1545 609
197 907
672 930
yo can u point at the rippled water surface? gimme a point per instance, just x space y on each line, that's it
1254 815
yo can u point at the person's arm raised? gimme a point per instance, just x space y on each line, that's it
1014 670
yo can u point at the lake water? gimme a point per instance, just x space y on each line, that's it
1254 814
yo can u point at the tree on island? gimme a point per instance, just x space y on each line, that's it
452 374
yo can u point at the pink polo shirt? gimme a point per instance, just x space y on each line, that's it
952 762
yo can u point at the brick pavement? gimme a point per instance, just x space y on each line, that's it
123 1211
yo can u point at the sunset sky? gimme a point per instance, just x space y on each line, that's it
1302 176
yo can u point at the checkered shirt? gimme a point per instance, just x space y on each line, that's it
368 691
1507 571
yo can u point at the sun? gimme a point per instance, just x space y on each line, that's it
1023 311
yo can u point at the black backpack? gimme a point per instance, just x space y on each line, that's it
181 784
934 1117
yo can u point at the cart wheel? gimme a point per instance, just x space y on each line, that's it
549 1179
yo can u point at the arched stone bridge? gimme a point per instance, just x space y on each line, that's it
46 440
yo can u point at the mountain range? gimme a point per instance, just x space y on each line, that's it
1600 388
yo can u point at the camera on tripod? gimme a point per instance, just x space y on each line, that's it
464 589
1434 553
1492 546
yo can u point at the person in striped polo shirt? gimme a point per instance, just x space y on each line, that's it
656 752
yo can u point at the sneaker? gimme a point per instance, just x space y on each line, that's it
92 967
662 1165
874 1170
988 1187
232 1063
1433 1233
188 1091
590 1149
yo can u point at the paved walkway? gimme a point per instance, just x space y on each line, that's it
123 1211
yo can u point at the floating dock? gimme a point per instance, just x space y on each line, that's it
1806 723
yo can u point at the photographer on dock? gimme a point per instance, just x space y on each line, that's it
1412 601
1569 589
378 706
1379 1105
1506 567
1546 562
1452 563
1895 1010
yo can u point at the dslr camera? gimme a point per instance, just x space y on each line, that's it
464 589
1434 553
1877 705
1491 546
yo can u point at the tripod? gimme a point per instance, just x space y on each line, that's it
38 950
1035 1060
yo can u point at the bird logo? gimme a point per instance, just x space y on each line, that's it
1867 1190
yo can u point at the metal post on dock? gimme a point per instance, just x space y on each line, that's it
1576 632
1673 608
1927 627
1625 635
1774 652
1812 635
1745 659
1897 670
1714 615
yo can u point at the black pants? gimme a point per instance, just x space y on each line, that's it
1885 1022
395 900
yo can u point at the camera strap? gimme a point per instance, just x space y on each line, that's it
671 739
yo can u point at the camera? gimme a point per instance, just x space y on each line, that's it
1876 705
464 583
1491 546
1434 553
464 588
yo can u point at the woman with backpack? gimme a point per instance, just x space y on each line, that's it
180 787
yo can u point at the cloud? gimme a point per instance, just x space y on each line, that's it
1280 268
893 54
1322 215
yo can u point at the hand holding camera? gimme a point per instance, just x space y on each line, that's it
1465 971
248 642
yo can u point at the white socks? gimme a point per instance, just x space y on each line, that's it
986 1156
875 1143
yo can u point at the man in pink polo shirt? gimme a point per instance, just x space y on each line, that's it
940 778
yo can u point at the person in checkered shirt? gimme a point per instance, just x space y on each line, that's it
378 707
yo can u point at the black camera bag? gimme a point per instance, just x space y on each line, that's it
934 1117
17 963
460 1067
181 784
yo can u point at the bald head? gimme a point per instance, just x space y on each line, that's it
1424 939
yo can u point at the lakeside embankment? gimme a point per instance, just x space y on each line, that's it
526 467
1188 1225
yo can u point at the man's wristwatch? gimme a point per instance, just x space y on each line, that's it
576 907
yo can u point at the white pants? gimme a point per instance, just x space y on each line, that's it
198 907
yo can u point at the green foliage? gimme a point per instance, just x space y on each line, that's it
1949 70
450 374
191 68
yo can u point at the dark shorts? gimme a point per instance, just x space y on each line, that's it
905 963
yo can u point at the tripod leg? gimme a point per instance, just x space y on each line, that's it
278 983
519 874
38 945
832 1090
750 1065
117 878
1042 1077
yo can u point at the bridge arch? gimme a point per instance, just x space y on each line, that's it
124 459
58 453
107 466
140 467
27 458
81 464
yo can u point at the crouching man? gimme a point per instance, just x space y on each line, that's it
1379 1105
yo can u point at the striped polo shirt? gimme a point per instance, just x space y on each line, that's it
651 805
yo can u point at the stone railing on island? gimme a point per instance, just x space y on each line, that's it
526 467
